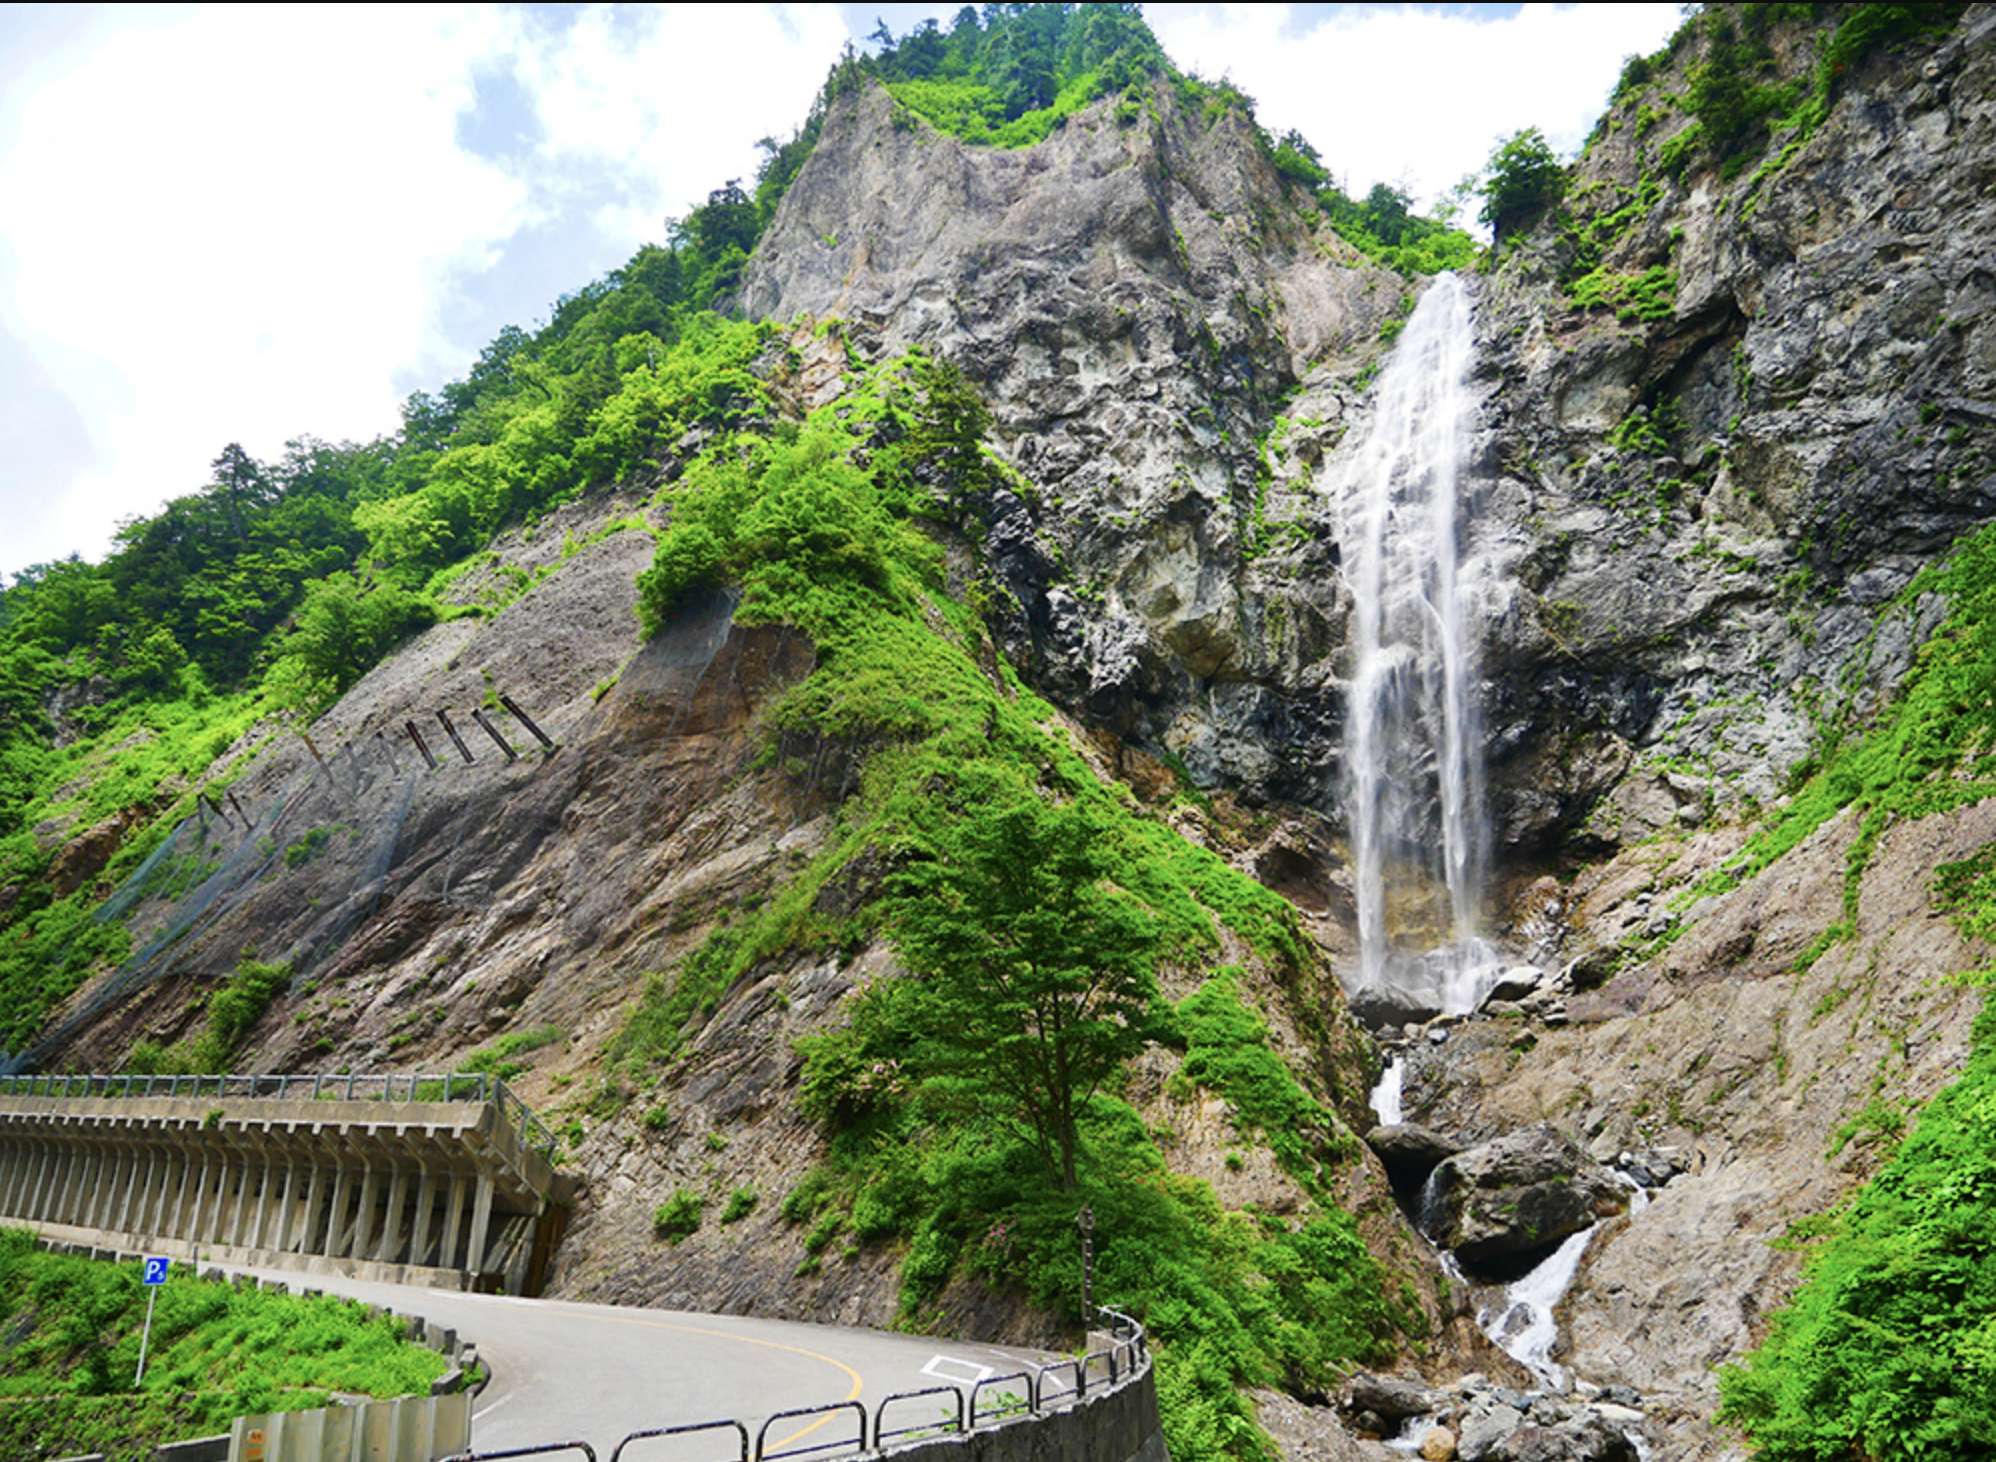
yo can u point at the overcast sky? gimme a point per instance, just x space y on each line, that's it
250 223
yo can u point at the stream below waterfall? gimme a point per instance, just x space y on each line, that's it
1519 1318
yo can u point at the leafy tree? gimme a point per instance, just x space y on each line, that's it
1520 182
1034 973
342 631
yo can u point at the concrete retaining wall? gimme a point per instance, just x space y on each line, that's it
1105 1426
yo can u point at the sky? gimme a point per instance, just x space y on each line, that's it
257 223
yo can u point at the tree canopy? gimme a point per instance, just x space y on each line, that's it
1035 974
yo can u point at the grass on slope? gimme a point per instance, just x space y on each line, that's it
73 1328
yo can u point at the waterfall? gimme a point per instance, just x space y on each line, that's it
1413 773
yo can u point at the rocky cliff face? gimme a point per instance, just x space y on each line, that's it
1135 299
1710 514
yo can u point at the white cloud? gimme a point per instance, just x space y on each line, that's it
249 223
1413 97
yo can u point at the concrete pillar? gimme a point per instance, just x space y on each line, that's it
338 1229
97 1189
48 1186
309 1241
386 1251
20 1157
137 1161
450 1243
261 1210
481 1223
363 1222
157 1171
281 1240
89 1171
22 1190
201 1220
55 1175
426 1202
191 1166
239 1187
173 1172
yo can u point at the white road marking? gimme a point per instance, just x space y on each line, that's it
938 1369
484 1412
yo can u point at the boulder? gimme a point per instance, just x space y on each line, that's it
1516 1195
1410 1151
1389 1398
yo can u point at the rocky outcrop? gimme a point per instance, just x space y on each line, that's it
1707 517
1480 1422
1516 1195
1133 297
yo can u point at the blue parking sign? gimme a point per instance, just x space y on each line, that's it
156 1270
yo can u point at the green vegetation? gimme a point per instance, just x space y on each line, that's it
1933 749
233 1012
1033 975
1888 1350
1012 75
741 1203
1010 78
500 1058
73 1328
679 1216
1522 180
954 785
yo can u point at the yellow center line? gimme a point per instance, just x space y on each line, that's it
858 1384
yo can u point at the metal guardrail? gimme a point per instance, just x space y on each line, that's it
1127 1358
831 1409
741 1432
949 1423
446 1087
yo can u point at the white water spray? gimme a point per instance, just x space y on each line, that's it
1386 1096
1413 768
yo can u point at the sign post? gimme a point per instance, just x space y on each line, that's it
1086 1219
155 1276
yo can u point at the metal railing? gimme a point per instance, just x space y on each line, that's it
1127 1358
445 1087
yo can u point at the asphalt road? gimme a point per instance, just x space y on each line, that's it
565 1371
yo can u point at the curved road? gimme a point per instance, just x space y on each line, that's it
566 1371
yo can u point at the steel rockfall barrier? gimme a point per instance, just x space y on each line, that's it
1051 1387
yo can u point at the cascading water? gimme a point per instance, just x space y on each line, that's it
1413 773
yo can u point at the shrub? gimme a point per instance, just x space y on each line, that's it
678 1216
1520 182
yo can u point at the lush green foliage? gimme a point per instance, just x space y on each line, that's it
1033 973
1934 747
1008 78
679 1216
1521 181
1888 1350
1735 93
1227 1051
1231 1298
944 765
73 1330
233 1012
